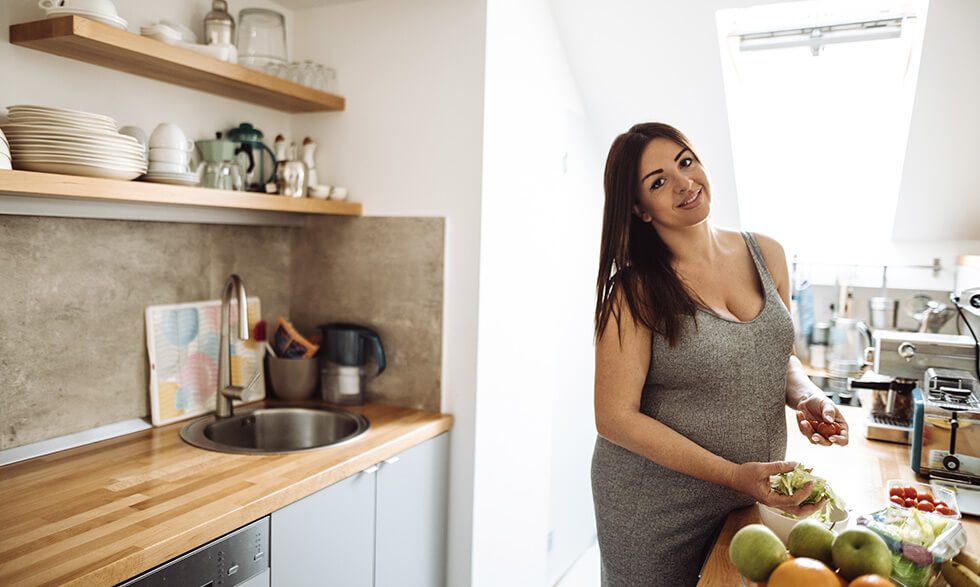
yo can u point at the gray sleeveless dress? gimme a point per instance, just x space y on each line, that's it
723 387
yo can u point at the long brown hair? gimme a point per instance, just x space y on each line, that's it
634 262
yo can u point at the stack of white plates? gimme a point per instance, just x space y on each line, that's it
55 140
105 16
4 152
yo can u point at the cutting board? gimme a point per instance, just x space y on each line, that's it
182 341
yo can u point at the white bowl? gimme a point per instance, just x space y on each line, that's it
781 523
164 155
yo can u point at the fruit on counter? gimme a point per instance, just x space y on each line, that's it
811 539
958 575
910 497
969 561
801 572
871 581
756 552
859 551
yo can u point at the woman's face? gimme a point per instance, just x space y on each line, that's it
674 187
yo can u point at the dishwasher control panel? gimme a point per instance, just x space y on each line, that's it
230 560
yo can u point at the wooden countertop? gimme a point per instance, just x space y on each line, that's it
101 513
858 473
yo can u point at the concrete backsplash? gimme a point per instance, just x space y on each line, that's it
384 273
74 291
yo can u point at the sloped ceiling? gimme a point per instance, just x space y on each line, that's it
641 60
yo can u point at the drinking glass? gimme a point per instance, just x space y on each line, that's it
261 37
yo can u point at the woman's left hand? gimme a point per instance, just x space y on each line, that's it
818 408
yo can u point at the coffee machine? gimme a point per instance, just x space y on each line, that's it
899 363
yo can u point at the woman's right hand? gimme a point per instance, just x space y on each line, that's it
752 479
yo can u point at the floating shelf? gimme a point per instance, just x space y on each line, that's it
93 42
52 185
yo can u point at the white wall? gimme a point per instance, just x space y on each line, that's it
410 144
33 77
541 215
637 60
939 199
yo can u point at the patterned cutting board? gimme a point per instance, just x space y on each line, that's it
182 341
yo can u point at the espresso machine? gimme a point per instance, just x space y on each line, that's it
899 363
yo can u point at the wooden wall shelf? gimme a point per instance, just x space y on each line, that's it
52 185
93 42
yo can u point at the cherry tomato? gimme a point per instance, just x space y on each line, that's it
910 492
826 429
940 503
926 497
897 500
925 506
944 510
897 492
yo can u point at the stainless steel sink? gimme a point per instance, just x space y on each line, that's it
275 428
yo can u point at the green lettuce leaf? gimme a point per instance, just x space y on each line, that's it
789 483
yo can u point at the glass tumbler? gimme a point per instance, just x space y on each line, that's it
261 37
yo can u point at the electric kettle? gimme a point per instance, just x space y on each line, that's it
344 366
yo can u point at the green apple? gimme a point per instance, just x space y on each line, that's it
859 551
811 539
755 551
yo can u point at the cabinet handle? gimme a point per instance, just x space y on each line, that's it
392 460
371 469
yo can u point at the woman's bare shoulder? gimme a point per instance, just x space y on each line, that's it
774 256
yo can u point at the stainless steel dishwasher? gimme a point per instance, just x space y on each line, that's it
240 557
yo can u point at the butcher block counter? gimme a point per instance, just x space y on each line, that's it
101 513
857 472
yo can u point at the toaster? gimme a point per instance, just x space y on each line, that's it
946 426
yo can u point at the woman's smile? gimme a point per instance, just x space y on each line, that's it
692 201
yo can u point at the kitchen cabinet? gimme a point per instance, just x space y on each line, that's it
384 526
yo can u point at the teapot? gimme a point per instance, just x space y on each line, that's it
219 169
249 151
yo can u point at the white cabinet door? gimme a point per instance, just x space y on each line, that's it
327 539
412 514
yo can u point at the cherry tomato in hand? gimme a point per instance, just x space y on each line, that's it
826 429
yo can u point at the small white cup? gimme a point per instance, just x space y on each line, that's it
168 135
168 167
104 7
166 155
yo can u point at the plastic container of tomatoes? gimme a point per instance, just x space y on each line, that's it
924 497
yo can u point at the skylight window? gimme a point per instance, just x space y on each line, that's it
819 101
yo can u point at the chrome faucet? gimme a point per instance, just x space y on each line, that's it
227 392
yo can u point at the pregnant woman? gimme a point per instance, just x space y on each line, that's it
694 366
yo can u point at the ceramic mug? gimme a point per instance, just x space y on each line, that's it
168 135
